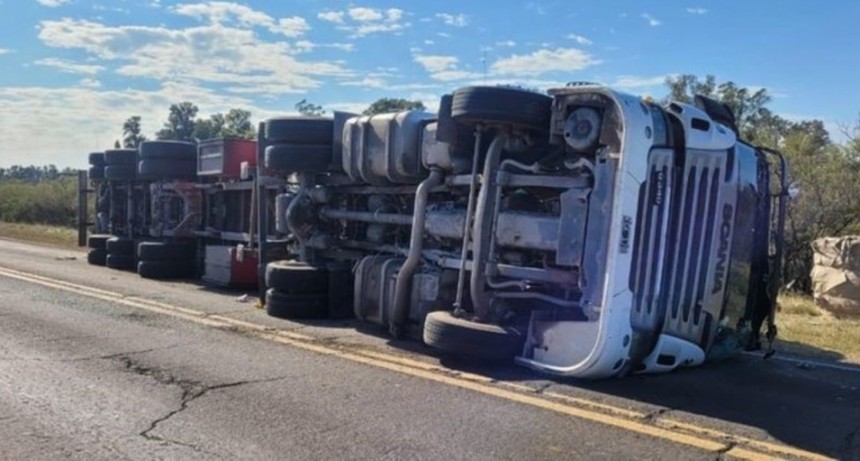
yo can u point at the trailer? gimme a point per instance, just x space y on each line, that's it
189 214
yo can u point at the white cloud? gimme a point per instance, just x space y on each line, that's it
455 20
698 11
543 61
443 68
652 21
630 82
332 16
69 67
361 21
291 27
580 39
89 83
365 14
85 119
5 51
233 13
366 82
212 53
507 43
53 3
436 63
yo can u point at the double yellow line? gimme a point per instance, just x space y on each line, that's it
706 439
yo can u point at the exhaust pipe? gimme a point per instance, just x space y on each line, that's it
400 308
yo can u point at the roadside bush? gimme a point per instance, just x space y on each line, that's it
52 201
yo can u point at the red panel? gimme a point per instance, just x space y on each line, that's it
243 273
229 163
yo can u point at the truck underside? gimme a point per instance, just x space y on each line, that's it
588 233
583 232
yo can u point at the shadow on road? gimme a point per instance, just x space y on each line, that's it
800 404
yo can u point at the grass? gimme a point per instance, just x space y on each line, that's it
808 330
57 236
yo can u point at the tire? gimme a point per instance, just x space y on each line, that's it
162 168
121 172
299 130
166 251
295 306
98 241
296 278
97 257
96 173
121 157
291 158
97 159
173 150
462 337
490 104
117 261
164 269
120 246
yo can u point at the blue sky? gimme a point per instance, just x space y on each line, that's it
72 70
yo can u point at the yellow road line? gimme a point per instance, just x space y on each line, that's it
663 428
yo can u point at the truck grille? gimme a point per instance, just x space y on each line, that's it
649 245
690 248
673 247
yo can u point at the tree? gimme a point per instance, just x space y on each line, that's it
306 108
823 175
117 144
131 136
754 119
210 128
386 105
237 124
180 122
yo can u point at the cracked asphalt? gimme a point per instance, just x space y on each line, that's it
82 378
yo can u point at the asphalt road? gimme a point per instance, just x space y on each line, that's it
99 374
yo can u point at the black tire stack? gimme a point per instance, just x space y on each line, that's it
166 260
120 253
97 166
97 243
299 144
297 290
120 164
164 160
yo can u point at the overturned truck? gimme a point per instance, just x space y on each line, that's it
587 233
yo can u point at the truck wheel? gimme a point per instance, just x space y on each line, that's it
120 246
121 157
97 257
291 158
96 172
299 130
173 150
124 172
491 104
296 306
165 251
296 277
163 168
117 261
472 339
98 241
164 269
97 159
